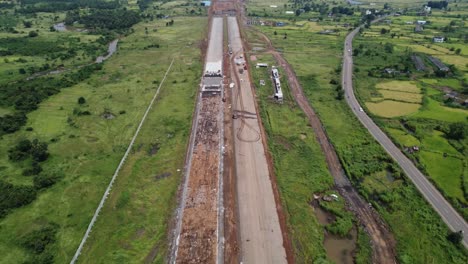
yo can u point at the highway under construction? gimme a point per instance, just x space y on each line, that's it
253 230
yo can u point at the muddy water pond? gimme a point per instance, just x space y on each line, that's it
339 249
110 50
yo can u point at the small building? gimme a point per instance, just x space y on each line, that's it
368 12
327 32
427 9
205 3
421 22
262 65
438 39
409 22
289 12
280 24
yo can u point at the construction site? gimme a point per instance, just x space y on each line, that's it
230 209
197 228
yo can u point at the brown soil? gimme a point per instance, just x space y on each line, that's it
198 238
287 244
383 242
231 216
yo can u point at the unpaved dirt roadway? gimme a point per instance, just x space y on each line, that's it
260 232
198 229
383 243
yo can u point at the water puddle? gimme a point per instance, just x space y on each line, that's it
112 48
60 27
339 249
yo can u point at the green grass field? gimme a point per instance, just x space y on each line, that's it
432 112
315 59
389 108
300 166
445 172
89 153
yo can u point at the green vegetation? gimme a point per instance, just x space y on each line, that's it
424 132
135 219
316 60
83 116
300 167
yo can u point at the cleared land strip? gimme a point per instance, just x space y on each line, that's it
261 236
198 231
122 161
453 220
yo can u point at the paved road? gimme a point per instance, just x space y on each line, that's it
454 221
260 232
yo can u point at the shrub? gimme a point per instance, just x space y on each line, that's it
33 34
81 100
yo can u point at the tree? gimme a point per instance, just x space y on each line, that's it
275 33
27 24
81 100
457 51
388 47
455 237
457 131
383 31
33 34
22 71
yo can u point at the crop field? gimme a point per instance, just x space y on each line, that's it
438 166
402 86
401 96
434 110
88 148
316 60
416 126
389 108
403 138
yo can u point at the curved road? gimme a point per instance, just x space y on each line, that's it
454 221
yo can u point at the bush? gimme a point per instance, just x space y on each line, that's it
47 179
81 100
33 34
12 196
25 148
457 131
37 241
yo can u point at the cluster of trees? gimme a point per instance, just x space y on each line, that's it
342 10
28 47
29 149
12 123
437 4
12 196
25 96
110 19
34 6
457 131
28 152
39 243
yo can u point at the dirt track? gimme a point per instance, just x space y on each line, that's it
383 243
198 238
261 237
